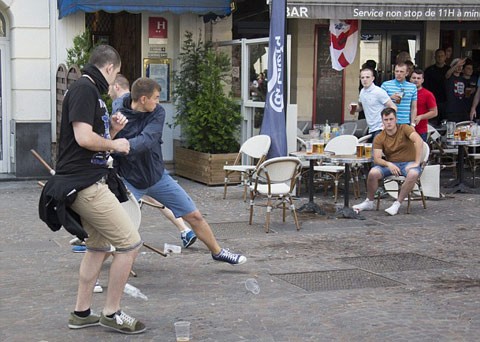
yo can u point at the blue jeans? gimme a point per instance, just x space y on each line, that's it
169 193
385 171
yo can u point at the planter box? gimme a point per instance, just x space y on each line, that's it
205 168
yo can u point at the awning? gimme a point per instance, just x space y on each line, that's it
385 10
201 7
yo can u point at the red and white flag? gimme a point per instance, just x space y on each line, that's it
343 42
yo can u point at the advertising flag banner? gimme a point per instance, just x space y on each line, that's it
343 42
273 123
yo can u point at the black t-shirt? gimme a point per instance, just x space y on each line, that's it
82 103
435 81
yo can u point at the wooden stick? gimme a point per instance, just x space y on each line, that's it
154 249
44 163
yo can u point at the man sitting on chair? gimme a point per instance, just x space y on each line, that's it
403 148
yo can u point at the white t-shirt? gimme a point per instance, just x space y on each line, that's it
373 100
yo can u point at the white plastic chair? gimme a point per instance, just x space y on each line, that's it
341 145
392 184
275 179
253 148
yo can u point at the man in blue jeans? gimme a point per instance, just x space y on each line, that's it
403 148
143 169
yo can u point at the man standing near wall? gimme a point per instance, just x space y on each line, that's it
426 105
372 100
435 81
403 94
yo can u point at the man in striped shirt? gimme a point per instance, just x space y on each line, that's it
403 94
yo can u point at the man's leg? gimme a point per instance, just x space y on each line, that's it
174 197
203 231
117 278
107 225
407 187
374 176
89 271
188 237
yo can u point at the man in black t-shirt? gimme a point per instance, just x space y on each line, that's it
85 143
435 82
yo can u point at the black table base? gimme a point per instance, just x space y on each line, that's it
348 213
311 207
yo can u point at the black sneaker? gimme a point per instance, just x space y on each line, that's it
226 256
123 323
77 322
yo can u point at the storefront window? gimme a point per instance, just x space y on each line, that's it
258 57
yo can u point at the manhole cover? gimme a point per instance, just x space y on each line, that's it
396 262
224 230
336 280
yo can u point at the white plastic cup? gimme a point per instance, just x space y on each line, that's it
182 331
168 248
251 285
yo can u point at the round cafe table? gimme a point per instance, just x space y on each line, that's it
348 160
459 185
310 206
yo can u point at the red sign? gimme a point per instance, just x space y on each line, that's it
157 28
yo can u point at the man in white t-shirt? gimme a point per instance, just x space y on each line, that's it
372 100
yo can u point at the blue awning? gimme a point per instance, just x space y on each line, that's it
201 7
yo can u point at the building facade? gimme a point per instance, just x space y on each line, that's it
386 28
35 36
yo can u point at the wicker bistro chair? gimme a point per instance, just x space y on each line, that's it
394 183
441 154
343 144
275 179
254 148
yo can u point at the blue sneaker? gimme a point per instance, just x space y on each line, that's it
79 249
188 239
232 258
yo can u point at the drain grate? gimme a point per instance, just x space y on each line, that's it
336 280
225 230
396 262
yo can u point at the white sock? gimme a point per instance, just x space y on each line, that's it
185 231
393 210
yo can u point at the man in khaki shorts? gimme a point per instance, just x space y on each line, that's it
85 143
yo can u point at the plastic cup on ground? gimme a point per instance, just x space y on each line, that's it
168 248
251 285
182 331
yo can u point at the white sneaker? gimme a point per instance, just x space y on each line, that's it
98 288
365 205
393 210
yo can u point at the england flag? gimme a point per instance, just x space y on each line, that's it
343 42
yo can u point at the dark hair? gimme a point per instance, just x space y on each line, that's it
367 68
387 111
122 81
418 71
438 50
103 55
144 87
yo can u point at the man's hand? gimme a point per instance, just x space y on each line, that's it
117 123
121 145
473 114
394 169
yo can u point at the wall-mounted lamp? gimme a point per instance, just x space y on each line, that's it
464 42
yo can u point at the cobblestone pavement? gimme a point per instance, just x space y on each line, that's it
404 278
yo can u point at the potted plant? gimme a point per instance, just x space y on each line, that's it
209 118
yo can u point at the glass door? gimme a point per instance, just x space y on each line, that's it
383 46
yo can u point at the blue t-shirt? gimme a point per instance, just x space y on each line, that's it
410 94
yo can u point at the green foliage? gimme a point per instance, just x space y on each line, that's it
209 118
80 52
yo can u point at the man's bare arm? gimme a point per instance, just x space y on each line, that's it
87 138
